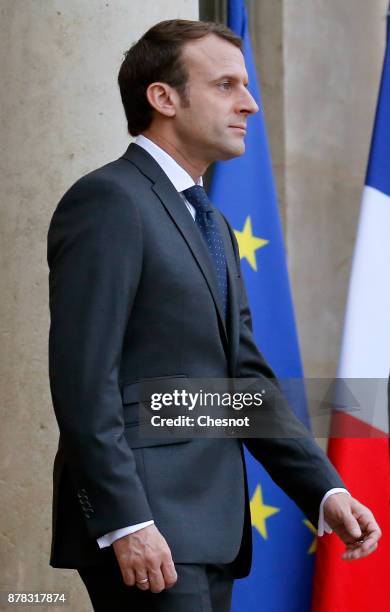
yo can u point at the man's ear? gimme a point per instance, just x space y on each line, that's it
163 98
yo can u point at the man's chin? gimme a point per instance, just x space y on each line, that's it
234 151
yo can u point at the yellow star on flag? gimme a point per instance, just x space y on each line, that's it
260 512
248 243
313 545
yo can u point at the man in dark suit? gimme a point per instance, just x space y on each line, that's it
145 285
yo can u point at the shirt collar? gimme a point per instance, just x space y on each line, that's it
179 177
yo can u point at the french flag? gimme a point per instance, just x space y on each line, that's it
362 455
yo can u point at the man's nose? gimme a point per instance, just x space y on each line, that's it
253 105
248 103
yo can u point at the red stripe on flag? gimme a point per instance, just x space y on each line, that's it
359 585
345 425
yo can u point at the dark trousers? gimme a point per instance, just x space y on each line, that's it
199 588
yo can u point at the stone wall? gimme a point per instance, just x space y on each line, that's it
61 115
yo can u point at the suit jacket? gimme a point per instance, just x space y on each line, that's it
133 297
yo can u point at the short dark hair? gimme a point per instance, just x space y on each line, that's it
157 56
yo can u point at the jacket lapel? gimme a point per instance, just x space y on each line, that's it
234 298
180 215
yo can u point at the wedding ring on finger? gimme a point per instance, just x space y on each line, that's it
143 581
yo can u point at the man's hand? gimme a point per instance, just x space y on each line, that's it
354 524
145 555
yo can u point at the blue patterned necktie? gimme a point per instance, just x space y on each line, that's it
205 220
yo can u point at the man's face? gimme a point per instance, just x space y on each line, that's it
213 125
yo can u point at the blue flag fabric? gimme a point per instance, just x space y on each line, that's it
243 189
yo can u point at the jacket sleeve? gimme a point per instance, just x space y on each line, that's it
95 260
294 460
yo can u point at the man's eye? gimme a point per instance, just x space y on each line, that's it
224 85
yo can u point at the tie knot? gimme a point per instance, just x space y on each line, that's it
197 196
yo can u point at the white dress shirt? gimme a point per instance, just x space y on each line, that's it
181 180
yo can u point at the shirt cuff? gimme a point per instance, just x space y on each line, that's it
323 526
110 537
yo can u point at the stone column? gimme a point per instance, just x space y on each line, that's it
333 53
319 65
266 31
61 116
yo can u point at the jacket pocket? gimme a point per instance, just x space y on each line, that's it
131 391
138 391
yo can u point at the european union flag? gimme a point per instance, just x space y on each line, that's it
243 189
